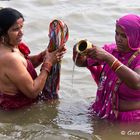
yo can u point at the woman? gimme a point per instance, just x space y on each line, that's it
19 84
116 70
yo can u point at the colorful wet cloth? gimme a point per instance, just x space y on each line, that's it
58 34
110 87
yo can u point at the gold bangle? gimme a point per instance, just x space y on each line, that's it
114 62
118 67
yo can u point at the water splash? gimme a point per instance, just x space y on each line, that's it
74 63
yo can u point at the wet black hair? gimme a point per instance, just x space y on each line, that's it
8 17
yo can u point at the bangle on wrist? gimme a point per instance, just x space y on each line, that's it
114 63
118 67
46 66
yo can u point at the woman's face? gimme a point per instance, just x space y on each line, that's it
15 32
121 40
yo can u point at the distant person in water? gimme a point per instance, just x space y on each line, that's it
19 84
116 70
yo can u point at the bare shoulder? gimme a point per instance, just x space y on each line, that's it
11 61
11 58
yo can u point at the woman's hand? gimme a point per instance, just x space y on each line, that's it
97 53
55 56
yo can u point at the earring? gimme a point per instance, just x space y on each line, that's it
3 40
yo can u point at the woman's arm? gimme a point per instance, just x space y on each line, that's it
21 78
37 59
130 77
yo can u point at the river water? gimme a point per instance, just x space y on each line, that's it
68 118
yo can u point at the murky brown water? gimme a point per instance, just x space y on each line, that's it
68 118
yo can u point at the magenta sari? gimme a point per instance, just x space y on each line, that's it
107 80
